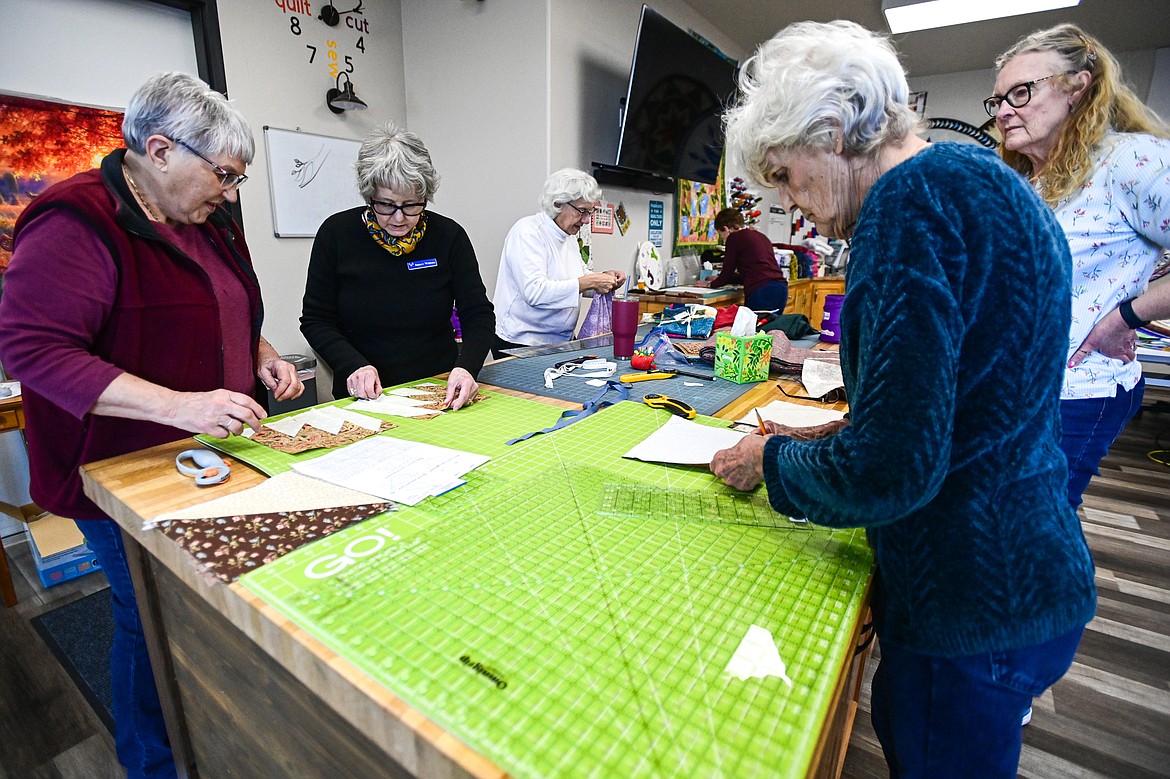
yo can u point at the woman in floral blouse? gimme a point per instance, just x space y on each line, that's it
1101 159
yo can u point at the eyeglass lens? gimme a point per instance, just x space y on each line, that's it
227 179
387 209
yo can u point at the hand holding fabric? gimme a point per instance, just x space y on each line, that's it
219 413
741 466
461 388
364 383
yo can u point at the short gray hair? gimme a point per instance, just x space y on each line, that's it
815 79
181 107
568 184
396 159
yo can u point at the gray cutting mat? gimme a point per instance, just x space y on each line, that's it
526 374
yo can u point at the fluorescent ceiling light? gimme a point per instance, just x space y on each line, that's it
911 15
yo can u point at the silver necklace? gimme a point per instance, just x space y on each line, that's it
138 193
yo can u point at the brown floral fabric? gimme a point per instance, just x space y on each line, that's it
310 437
229 547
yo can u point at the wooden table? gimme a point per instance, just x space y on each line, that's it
653 302
12 418
248 693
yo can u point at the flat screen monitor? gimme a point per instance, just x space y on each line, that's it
678 89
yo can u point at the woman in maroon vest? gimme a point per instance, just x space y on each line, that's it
131 315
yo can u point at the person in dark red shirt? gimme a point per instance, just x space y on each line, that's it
748 259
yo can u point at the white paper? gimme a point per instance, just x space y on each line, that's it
820 377
791 415
757 657
683 442
289 491
393 405
321 419
290 426
327 418
391 468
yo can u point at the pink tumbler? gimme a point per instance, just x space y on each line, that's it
625 327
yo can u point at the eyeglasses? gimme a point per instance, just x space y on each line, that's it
1018 96
581 211
227 179
388 209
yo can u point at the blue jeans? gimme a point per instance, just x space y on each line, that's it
960 716
1088 428
773 296
141 737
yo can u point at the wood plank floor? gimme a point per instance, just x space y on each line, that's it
1109 717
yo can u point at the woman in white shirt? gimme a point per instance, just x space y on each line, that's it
542 273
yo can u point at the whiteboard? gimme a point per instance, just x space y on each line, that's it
311 177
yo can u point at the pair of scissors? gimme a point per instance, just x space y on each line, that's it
673 405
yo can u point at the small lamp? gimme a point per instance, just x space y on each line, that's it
342 98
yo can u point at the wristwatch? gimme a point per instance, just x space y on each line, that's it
1130 316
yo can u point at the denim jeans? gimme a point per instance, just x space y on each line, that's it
141 737
1088 428
773 296
959 717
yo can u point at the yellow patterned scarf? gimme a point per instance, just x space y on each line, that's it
396 246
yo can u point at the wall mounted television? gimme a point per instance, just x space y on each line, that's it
672 124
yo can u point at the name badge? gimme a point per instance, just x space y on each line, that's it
420 264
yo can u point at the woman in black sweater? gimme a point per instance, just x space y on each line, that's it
383 279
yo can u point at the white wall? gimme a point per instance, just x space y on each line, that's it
477 93
271 80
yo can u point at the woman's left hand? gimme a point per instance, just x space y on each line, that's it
461 388
741 466
281 377
276 374
617 274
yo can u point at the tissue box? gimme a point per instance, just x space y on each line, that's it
743 359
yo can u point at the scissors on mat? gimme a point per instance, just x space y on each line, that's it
673 405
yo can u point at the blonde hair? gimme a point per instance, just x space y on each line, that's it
1107 104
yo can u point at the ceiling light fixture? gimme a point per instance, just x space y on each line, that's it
912 15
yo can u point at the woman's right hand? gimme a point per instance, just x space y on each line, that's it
364 383
597 282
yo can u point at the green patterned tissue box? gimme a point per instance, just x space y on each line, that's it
743 359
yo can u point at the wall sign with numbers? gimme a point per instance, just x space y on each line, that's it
334 39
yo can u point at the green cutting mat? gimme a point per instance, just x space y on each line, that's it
498 414
568 613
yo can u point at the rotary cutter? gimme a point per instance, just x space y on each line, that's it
673 405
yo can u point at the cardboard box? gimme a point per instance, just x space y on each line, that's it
743 359
59 550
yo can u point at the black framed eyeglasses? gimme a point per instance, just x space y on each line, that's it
227 179
1018 96
384 208
581 211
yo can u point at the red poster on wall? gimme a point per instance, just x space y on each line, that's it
41 143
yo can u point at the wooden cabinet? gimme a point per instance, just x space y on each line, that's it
807 296
821 288
799 297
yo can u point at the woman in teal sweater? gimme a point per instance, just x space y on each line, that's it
950 459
